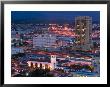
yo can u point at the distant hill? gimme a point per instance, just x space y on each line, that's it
35 21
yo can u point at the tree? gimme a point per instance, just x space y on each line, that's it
40 73
76 67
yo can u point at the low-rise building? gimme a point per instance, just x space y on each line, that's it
44 40
16 50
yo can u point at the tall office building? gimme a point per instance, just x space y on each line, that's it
83 26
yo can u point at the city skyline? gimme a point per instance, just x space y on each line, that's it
67 46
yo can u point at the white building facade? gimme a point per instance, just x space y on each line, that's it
44 40
15 50
49 65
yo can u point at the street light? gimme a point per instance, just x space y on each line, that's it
27 74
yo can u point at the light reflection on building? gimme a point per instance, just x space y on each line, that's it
44 65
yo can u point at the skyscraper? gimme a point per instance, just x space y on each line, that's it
83 26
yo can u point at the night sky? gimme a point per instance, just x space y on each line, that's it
51 16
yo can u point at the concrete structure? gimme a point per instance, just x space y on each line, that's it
44 40
83 26
44 65
15 50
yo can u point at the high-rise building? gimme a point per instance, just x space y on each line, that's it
83 26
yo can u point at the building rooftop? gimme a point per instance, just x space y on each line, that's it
40 60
